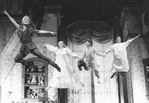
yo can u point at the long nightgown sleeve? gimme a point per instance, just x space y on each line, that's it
69 52
130 40
51 47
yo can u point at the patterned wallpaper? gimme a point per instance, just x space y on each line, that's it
136 52
6 31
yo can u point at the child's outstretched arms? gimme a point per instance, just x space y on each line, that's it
45 32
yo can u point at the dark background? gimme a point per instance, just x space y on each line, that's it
74 10
93 10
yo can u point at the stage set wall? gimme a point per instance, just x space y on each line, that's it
132 25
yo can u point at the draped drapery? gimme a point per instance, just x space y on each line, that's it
101 37
79 35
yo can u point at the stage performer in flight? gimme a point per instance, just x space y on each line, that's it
25 33
120 63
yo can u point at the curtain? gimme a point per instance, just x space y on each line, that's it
80 36
107 90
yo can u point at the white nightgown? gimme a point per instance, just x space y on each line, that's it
120 63
68 77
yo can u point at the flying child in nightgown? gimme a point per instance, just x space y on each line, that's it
68 77
120 63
